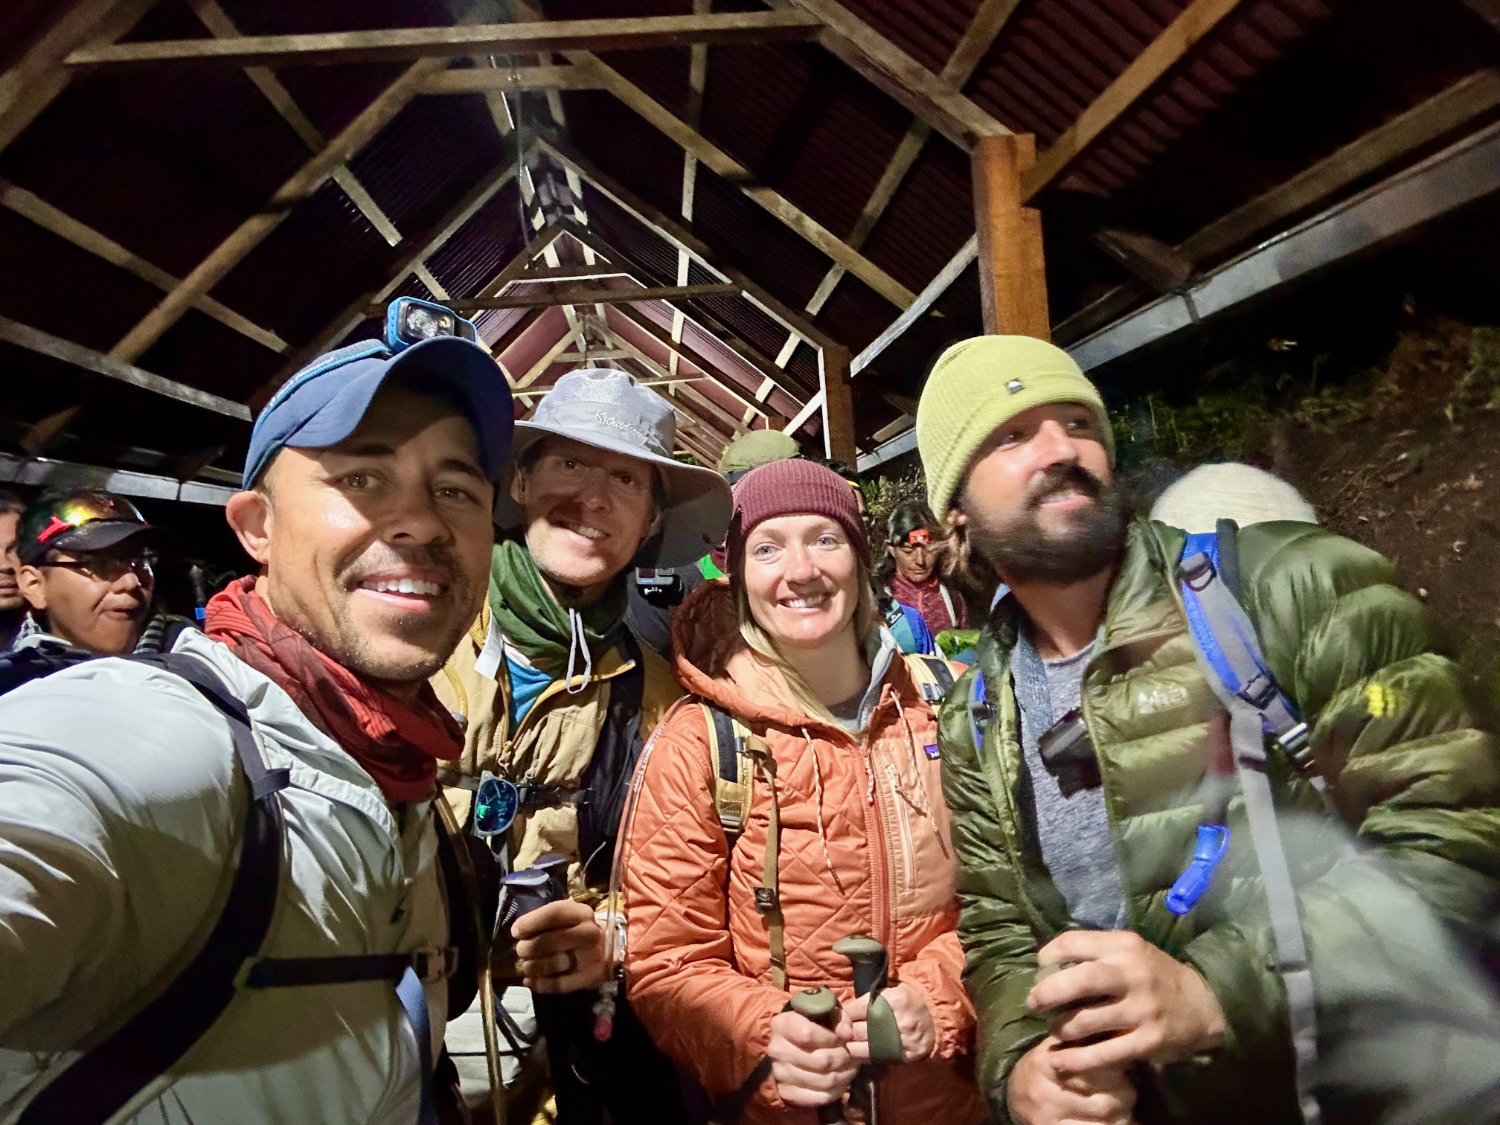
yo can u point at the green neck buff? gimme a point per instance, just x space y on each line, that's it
532 621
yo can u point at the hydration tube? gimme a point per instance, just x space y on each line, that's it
614 952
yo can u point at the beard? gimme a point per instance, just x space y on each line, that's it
1022 550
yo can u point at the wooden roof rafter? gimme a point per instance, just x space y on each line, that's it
408 43
417 249
679 235
890 69
1163 53
704 322
213 17
32 207
733 172
979 37
255 229
35 80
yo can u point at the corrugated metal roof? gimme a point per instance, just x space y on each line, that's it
169 161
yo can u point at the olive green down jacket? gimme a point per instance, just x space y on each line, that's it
1416 783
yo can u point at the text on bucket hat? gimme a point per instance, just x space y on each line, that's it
609 410
977 386
787 488
324 403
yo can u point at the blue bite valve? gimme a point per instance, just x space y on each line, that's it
1193 883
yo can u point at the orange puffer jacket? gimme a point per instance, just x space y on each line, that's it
864 849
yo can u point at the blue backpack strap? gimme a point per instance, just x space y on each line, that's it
1225 642
108 1075
1225 636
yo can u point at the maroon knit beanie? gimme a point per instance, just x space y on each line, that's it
786 488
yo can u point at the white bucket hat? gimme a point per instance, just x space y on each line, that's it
609 410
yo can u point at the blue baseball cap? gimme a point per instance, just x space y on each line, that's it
323 403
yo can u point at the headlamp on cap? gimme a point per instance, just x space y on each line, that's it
409 321
916 537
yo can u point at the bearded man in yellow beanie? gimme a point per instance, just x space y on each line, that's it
1142 946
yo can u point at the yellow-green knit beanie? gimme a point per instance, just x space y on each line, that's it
977 386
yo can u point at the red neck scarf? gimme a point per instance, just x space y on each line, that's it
397 745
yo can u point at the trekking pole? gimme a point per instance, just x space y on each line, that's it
200 593
822 1007
871 964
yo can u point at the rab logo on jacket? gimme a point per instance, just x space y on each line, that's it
1162 697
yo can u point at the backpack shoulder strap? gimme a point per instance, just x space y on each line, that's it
1227 649
111 1073
734 775
1225 636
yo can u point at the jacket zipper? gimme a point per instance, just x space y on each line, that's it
1131 913
875 840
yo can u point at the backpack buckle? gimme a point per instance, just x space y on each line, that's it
767 901
433 963
1197 572
1297 743
932 693
1259 692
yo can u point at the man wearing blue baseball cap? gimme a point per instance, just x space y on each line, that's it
219 868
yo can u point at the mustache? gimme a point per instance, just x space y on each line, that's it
432 557
1064 478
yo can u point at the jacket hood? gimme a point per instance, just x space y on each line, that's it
711 660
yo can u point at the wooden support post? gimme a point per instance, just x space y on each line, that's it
838 405
1012 270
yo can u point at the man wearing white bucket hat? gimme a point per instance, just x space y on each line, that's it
558 697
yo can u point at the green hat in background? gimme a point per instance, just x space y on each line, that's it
755 448
977 386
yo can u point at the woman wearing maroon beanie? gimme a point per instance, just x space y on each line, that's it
795 802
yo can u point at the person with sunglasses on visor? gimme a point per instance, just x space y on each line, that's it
226 893
88 572
557 697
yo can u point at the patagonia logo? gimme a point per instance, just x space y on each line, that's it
1162 697
931 752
